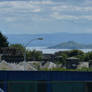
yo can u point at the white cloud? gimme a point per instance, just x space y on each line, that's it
18 5
43 2
60 16
36 10
12 11
72 8
56 15
19 10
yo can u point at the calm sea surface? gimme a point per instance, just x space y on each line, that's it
51 51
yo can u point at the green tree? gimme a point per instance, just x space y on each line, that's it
30 55
63 56
60 53
18 46
88 56
81 57
76 53
3 41
34 55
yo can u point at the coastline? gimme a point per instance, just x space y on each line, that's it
52 51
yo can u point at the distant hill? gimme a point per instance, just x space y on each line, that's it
71 45
51 39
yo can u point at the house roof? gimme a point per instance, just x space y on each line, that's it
72 58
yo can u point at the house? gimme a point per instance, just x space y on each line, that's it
51 57
48 57
83 65
72 63
48 65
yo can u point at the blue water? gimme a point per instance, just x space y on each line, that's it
51 51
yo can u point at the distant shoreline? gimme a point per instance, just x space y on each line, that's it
46 50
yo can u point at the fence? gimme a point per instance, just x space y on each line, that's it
30 81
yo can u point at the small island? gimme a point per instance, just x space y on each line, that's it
71 45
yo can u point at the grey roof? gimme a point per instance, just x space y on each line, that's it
70 58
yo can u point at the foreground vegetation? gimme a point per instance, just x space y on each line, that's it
87 57
63 69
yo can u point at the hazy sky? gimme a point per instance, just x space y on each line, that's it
45 16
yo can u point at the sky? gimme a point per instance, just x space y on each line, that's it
45 16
